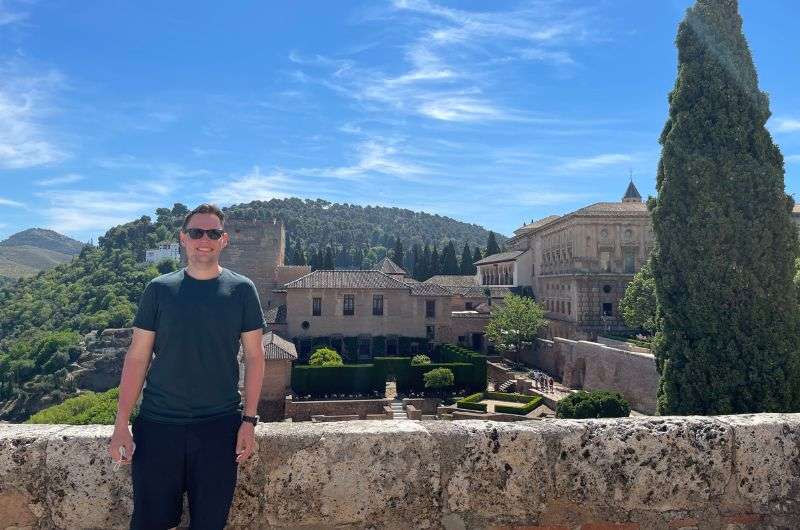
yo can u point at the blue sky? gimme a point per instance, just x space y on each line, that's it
490 112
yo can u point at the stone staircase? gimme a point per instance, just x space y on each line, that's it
507 386
398 413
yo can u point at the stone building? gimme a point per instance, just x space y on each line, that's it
365 304
166 250
577 264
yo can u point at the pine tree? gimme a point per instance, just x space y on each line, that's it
466 267
725 248
491 245
328 262
398 252
449 260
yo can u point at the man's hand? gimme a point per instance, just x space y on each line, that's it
245 441
121 438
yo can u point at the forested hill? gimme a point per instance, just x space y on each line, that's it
30 251
43 317
312 225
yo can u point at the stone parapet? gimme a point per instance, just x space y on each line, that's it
647 473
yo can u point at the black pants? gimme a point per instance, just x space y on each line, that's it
198 458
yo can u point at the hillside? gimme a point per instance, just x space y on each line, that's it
30 251
43 317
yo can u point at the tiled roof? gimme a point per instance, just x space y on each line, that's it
429 289
451 280
477 291
276 314
390 267
344 279
293 267
631 192
611 208
535 225
276 347
502 256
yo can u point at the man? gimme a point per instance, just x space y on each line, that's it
190 434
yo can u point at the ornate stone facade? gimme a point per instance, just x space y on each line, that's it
581 263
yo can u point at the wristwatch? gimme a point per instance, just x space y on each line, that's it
251 419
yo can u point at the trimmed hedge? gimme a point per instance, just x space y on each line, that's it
471 402
346 379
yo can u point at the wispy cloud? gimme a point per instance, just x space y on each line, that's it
254 186
792 159
786 125
594 162
449 59
59 181
91 210
9 202
9 15
549 198
24 100
375 156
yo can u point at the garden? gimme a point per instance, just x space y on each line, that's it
500 402
449 370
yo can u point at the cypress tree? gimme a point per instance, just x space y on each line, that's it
476 256
466 267
725 242
434 266
416 252
398 252
491 245
424 264
328 263
449 259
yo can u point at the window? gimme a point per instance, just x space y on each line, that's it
430 308
316 307
628 261
606 289
608 309
430 332
348 306
377 304
569 308
605 261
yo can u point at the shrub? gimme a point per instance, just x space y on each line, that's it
319 381
439 378
471 402
420 359
594 404
325 357
86 409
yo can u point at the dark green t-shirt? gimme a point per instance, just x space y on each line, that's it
194 374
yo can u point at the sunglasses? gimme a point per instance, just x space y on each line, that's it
197 233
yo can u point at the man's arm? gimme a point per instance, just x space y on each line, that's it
254 369
134 370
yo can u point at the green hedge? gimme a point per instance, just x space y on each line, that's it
471 402
346 379
532 403
469 376
594 404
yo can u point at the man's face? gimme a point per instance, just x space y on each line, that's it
203 251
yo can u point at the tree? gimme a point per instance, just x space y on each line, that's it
434 266
327 262
515 323
725 242
416 255
466 267
398 252
439 379
639 305
423 272
420 359
325 357
594 404
449 260
491 245
476 256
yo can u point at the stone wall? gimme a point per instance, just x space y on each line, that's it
726 472
593 366
255 249
303 410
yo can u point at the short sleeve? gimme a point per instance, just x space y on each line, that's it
148 309
252 316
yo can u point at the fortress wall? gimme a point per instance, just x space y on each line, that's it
726 472
594 366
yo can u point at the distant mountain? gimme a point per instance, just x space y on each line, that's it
30 251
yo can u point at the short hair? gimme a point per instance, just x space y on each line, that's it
205 208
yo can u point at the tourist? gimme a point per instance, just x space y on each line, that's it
190 434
